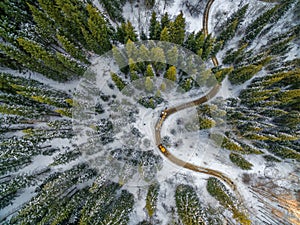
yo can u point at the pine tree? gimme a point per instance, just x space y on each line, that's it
164 36
144 53
172 56
99 30
73 50
190 42
171 73
119 58
130 33
131 49
165 20
118 81
177 30
143 36
91 43
149 71
39 53
149 84
200 40
155 28
70 64
157 55
207 47
133 70
46 27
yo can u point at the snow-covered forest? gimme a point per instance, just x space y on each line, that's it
148 112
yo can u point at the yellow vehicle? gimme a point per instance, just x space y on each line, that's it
162 148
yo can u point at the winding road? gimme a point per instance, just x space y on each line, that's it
167 112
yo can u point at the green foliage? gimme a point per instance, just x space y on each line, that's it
155 28
114 9
164 36
240 161
206 123
177 30
231 145
171 74
222 73
118 81
149 71
231 25
149 84
188 205
240 75
55 201
151 199
233 57
219 191
126 32
165 20
283 152
270 16
99 30
72 49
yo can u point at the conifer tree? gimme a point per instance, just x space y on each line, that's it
171 73
144 53
165 20
131 49
172 56
164 36
158 56
118 81
73 50
149 71
143 36
130 33
190 42
46 27
177 30
133 70
91 43
99 30
148 84
155 28
119 58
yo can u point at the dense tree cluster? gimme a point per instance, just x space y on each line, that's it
188 205
220 192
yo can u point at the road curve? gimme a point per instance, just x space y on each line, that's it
201 100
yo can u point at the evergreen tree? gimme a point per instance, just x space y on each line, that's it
118 81
46 27
171 73
39 53
98 28
91 43
165 20
130 33
190 42
155 28
172 56
177 30
73 50
119 58
164 36
144 53
148 84
133 70
207 47
158 56
149 71
131 49
143 36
